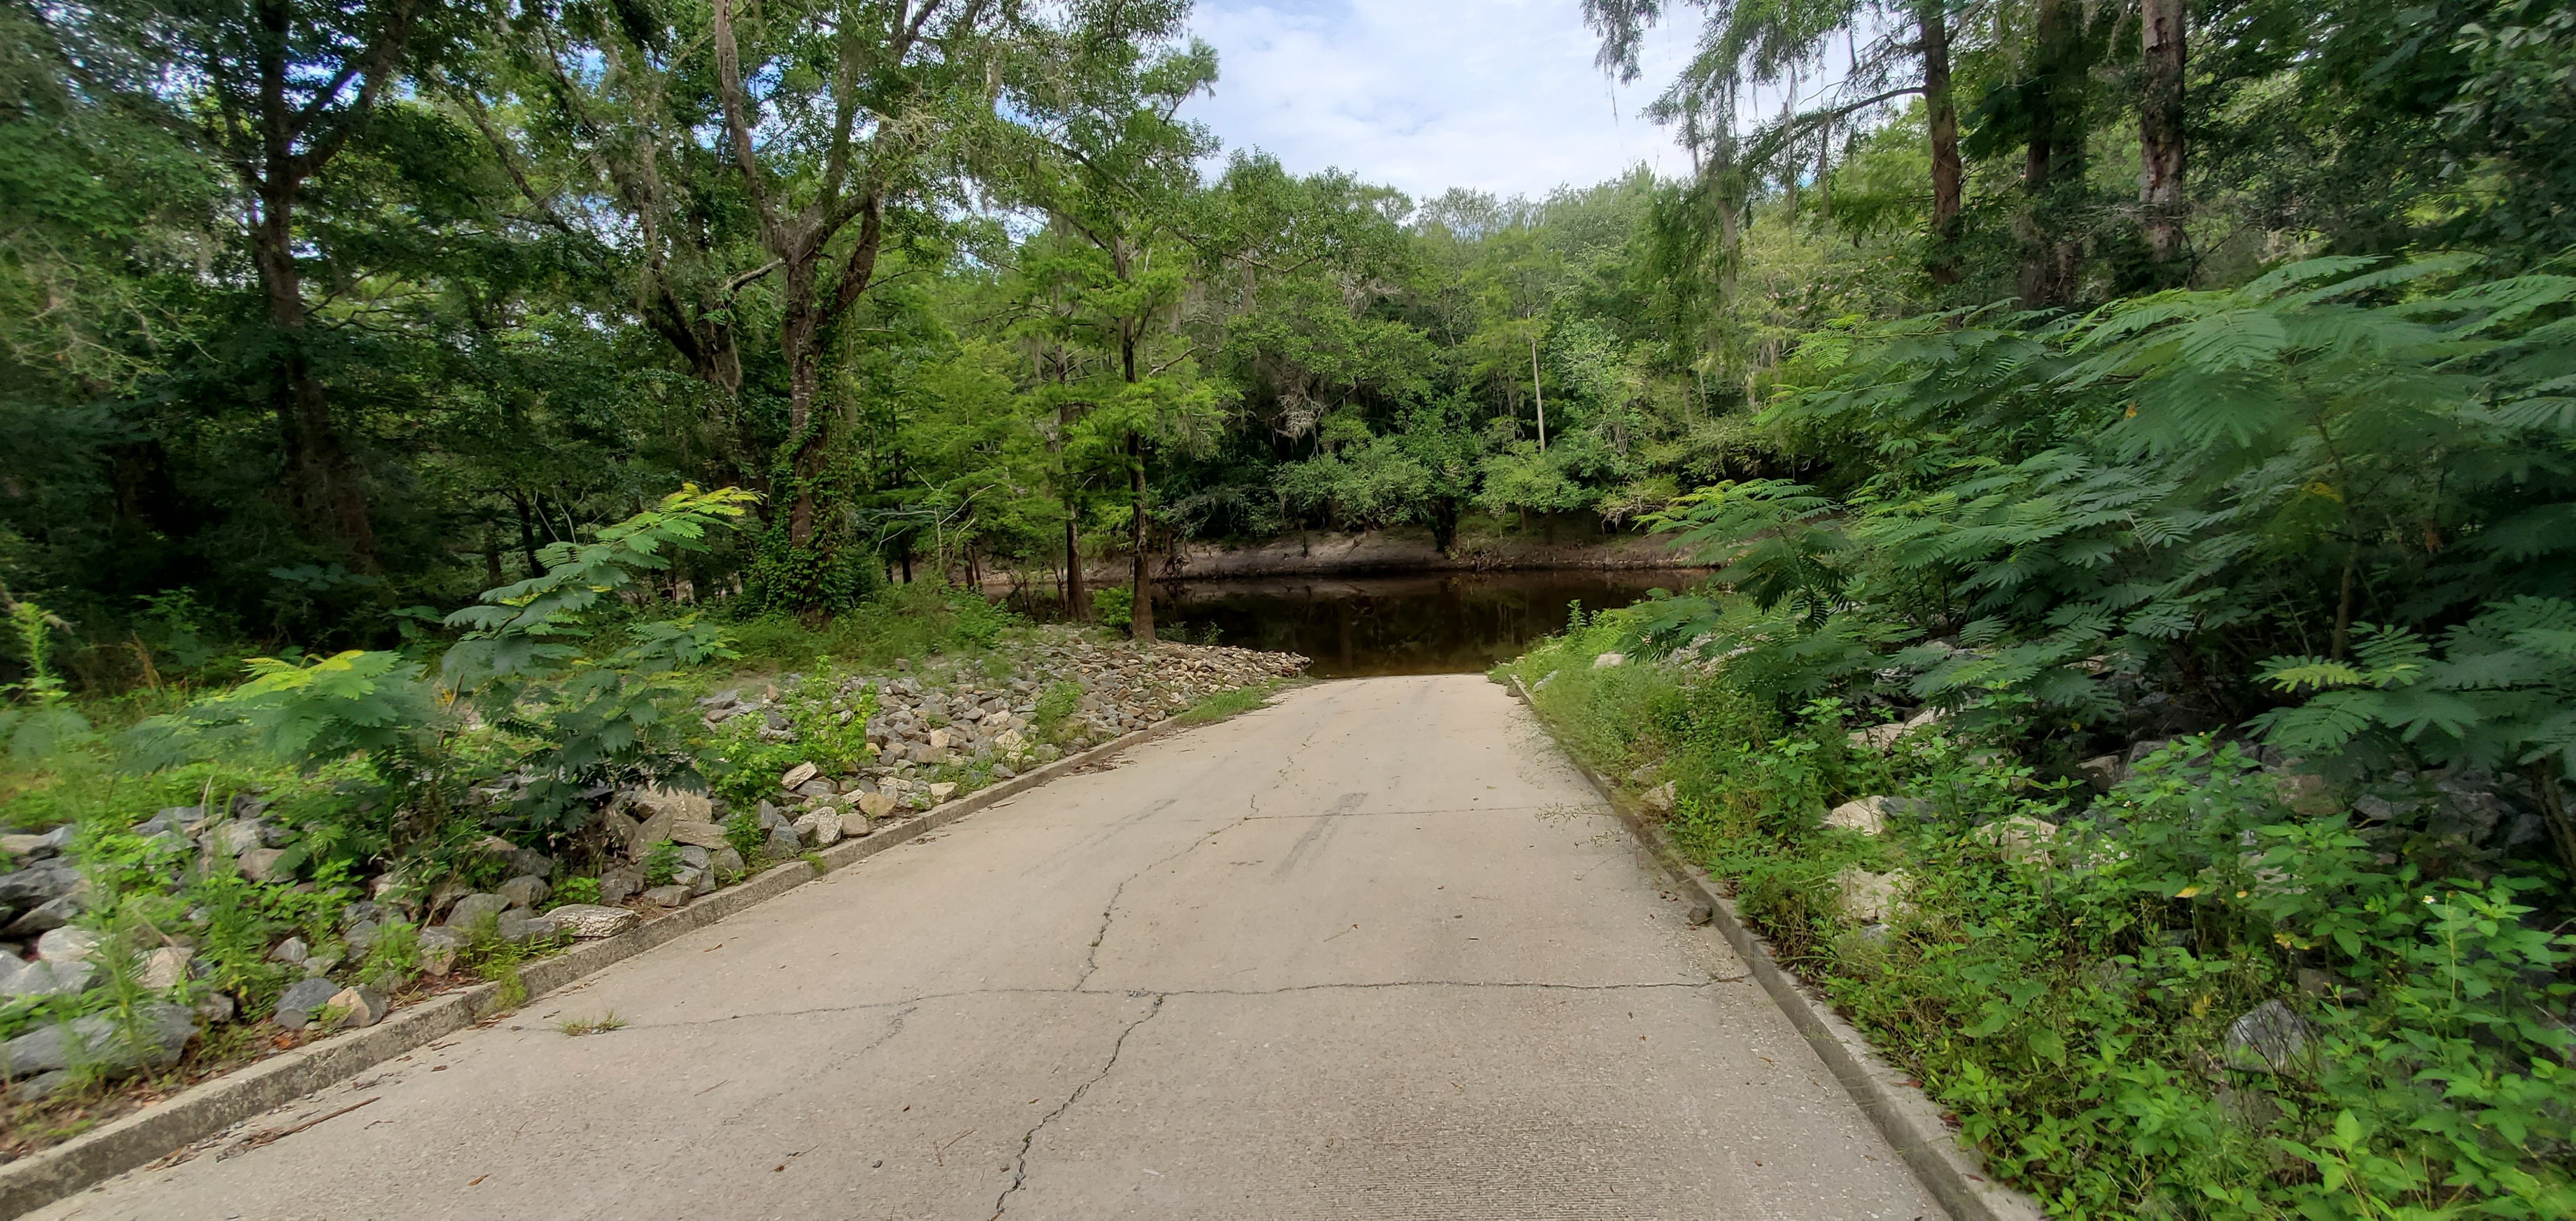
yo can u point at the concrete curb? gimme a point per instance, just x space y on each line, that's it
1900 1110
209 1107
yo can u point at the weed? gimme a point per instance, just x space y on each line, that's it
1224 704
580 890
577 1027
1055 707
661 863
815 862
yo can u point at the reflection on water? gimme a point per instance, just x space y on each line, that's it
1431 623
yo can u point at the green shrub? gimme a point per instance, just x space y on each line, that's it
583 890
1114 606
2073 1009
661 863
1055 706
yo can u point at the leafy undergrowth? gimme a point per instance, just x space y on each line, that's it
2070 1000
1240 700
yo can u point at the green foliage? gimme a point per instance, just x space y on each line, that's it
581 890
744 832
1116 604
661 863
1226 704
1055 707
2073 1008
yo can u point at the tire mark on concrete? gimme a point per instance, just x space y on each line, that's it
1316 834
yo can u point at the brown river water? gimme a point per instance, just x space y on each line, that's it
1421 623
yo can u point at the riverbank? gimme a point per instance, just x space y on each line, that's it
1481 546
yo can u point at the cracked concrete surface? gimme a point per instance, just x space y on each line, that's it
1372 951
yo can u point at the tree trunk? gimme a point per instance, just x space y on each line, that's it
322 484
1077 600
1140 623
1933 23
2160 134
527 536
1538 393
2053 167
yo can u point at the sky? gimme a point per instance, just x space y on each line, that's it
1423 95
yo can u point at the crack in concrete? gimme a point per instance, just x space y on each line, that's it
1029 1139
908 1004
1109 913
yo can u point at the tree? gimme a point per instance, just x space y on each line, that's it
1104 156
277 89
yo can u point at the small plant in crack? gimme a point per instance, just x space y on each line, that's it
577 1027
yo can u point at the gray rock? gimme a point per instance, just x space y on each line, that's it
520 861
589 920
51 914
822 828
361 912
296 1008
854 824
158 1033
2269 1038
798 775
321 964
357 1008
51 979
620 884
769 817
519 928
525 890
475 908
439 948
727 863
667 896
214 1008
41 884
1002 771
1864 816
292 949
235 838
2102 772
67 944
363 937
784 844
173 819
696 857
40 1087
701 834
164 969
688 877
264 865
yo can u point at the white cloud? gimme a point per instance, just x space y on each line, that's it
1499 95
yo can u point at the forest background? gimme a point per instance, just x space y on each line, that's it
2138 435
316 316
